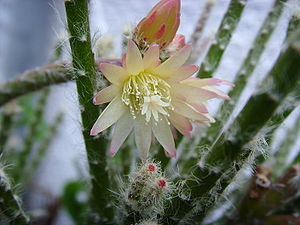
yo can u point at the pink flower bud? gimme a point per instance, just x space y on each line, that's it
160 25
162 183
151 167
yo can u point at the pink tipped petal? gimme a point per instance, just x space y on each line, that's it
220 94
134 61
174 132
106 95
143 136
170 154
198 106
171 65
182 124
190 93
184 72
115 74
109 116
188 111
227 83
197 82
151 57
163 134
122 129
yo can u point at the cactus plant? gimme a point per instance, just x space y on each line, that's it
221 164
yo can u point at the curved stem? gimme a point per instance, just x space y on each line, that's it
34 80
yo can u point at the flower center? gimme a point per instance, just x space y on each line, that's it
146 94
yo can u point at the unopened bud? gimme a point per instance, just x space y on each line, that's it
151 167
162 183
160 25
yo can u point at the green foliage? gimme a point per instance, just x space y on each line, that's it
35 132
23 159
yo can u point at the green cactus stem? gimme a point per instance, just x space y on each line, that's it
290 104
228 151
42 149
40 78
6 122
228 25
241 79
83 60
30 137
284 149
229 147
34 80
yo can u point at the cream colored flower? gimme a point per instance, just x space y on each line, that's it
149 97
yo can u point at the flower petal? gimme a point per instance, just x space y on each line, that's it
184 72
211 119
182 124
151 57
200 107
115 74
220 94
194 94
134 61
167 68
197 82
188 111
122 129
109 116
163 134
106 95
143 136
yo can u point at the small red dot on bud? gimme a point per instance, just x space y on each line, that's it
162 183
151 167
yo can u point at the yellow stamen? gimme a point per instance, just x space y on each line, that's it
146 94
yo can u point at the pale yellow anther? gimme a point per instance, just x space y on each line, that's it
147 95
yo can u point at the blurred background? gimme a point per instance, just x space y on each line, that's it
31 30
